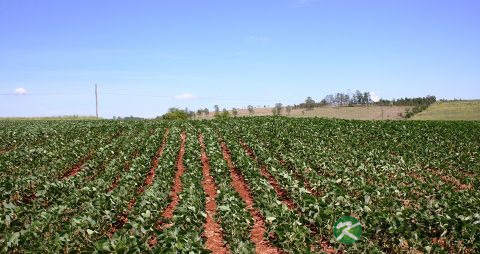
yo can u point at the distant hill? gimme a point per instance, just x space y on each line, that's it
451 110
358 112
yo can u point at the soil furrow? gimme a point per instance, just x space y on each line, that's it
78 166
258 230
281 193
115 182
176 189
150 177
322 244
177 185
213 231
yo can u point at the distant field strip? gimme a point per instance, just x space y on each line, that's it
451 110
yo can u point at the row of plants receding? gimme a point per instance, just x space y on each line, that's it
412 185
377 182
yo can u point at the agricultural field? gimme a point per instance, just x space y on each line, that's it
242 185
356 113
451 110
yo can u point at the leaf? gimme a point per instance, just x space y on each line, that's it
270 219
13 239
428 249
224 208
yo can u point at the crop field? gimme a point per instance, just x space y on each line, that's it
351 113
242 185
451 110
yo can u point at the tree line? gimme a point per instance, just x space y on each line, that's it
357 98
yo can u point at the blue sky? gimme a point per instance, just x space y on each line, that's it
147 56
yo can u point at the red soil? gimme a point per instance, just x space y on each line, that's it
258 230
126 167
177 185
114 184
5 150
281 193
306 183
177 188
151 174
78 166
450 180
123 218
28 199
213 231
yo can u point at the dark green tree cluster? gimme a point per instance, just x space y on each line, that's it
175 114
418 101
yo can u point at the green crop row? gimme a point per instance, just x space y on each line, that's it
412 185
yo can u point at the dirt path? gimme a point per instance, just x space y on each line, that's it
213 231
149 178
258 230
176 189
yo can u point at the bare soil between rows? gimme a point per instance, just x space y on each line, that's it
213 231
258 230
122 218
176 189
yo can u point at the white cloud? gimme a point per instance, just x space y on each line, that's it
185 96
375 97
20 91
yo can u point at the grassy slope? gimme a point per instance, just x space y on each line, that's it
451 110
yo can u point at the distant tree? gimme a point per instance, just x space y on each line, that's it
217 109
234 112
224 115
206 111
347 99
114 118
274 111
277 110
224 110
199 112
251 110
175 114
366 98
289 109
132 118
309 103
358 97
191 114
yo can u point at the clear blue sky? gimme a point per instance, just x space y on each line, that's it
230 53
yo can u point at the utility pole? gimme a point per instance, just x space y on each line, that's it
96 100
